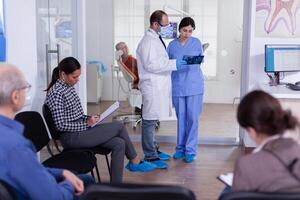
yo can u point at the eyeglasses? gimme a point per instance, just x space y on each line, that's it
26 87
163 25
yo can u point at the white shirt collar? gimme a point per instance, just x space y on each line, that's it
153 32
287 134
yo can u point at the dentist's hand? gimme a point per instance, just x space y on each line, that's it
181 64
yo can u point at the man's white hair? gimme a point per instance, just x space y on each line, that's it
11 79
120 45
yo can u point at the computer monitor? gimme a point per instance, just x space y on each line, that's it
282 58
170 32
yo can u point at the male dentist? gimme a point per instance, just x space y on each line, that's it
154 68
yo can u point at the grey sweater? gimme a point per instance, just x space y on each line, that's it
264 172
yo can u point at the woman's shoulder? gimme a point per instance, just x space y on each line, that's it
173 42
56 89
172 45
253 159
195 40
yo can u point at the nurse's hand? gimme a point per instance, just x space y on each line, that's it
181 64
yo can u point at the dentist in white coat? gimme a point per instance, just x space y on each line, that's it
154 68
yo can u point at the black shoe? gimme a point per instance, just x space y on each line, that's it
137 111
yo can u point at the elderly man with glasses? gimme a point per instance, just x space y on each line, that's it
20 168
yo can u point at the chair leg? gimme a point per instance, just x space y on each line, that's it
92 173
49 150
108 166
56 145
137 122
97 171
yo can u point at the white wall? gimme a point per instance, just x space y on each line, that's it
226 86
253 56
21 39
100 38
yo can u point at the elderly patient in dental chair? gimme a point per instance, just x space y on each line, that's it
130 62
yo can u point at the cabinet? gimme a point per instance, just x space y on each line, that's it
94 84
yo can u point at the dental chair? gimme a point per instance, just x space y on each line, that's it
133 95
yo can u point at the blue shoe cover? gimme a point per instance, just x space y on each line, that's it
189 158
163 156
143 166
159 164
178 155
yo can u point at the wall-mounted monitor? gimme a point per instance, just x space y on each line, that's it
63 29
282 58
169 32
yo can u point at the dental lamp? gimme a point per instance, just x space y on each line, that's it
185 14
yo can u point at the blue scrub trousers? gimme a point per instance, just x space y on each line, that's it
188 109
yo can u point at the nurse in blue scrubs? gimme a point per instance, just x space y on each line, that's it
187 91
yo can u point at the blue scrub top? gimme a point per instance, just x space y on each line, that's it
188 81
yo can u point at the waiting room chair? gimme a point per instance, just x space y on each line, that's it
55 135
5 192
259 196
137 192
79 162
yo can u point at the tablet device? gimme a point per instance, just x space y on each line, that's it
193 59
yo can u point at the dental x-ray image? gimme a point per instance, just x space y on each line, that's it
193 59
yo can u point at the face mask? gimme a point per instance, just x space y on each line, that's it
164 30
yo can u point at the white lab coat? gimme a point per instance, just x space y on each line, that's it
154 69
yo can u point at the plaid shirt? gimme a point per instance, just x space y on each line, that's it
66 109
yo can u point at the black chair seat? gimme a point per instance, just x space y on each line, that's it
260 196
100 150
6 192
137 192
96 150
36 131
55 134
78 162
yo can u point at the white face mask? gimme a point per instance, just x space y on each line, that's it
165 30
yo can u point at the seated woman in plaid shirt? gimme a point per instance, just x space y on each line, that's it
75 126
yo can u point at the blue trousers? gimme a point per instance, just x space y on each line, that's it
226 190
188 109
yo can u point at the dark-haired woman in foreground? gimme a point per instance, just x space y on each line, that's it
75 127
274 166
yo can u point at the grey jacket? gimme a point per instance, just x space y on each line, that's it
264 172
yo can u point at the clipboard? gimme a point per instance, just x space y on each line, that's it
226 178
107 112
